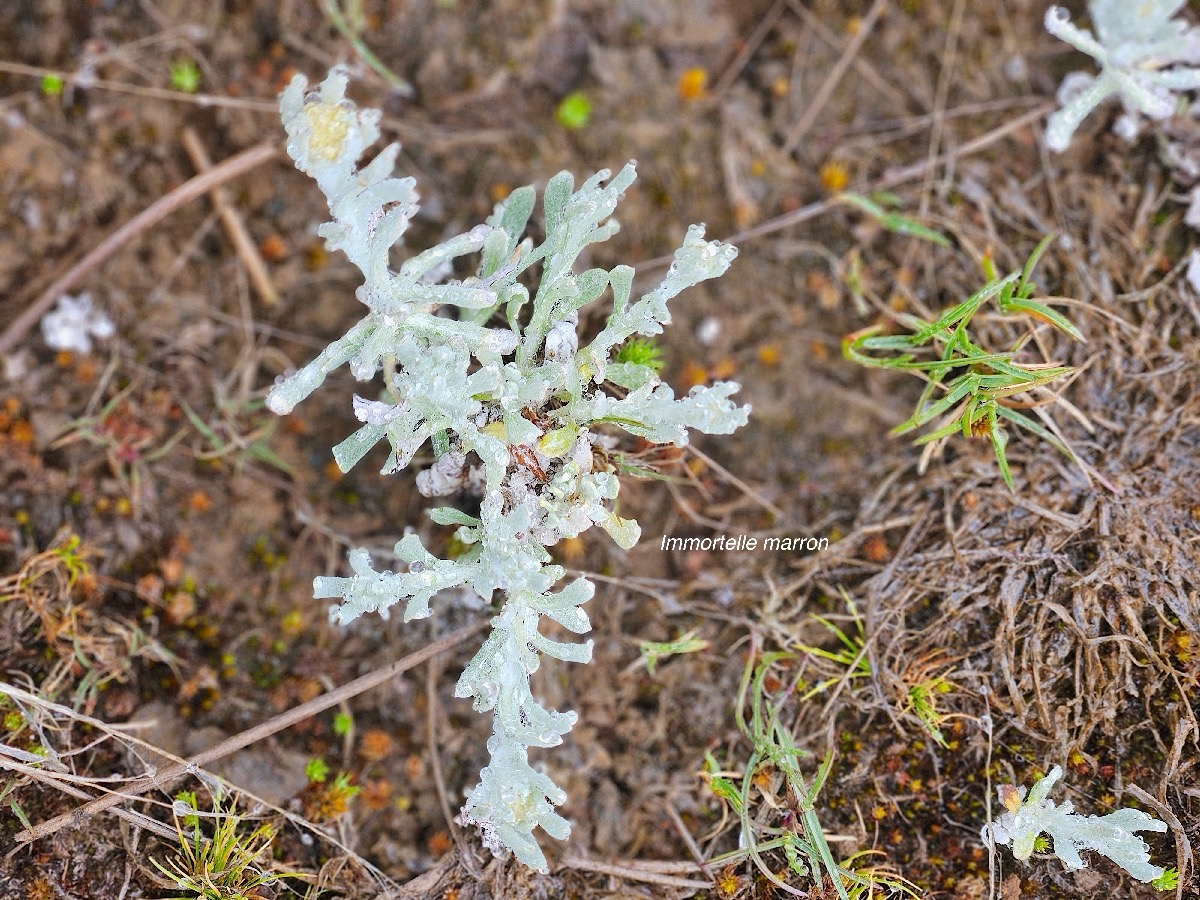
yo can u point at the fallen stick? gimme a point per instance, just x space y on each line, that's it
156 212
235 228
890 179
250 735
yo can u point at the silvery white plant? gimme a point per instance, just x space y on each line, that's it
1027 817
73 323
497 382
1145 55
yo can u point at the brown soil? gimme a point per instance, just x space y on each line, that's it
1064 615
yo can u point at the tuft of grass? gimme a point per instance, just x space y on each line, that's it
774 768
968 388
851 657
926 687
225 866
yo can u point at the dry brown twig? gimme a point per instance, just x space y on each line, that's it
825 91
251 735
235 227
137 90
188 191
627 872
891 179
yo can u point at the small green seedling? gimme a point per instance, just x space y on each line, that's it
976 386
185 76
640 351
923 700
653 651
575 111
52 84
1167 881
893 221
316 770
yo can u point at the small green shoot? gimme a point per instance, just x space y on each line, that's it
976 399
316 770
189 799
342 723
640 351
720 784
893 221
52 84
773 764
871 879
185 76
653 651
73 556
1167 881
350 21
574 111
226 440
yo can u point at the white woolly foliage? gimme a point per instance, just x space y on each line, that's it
509 401
1026 817
1145 55
73 323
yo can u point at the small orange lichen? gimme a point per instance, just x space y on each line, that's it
273 249
693 374
439 843
199 502
21 432
375 744
414 768
834 177
692 84
876 550
376 795
769 354
724 369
